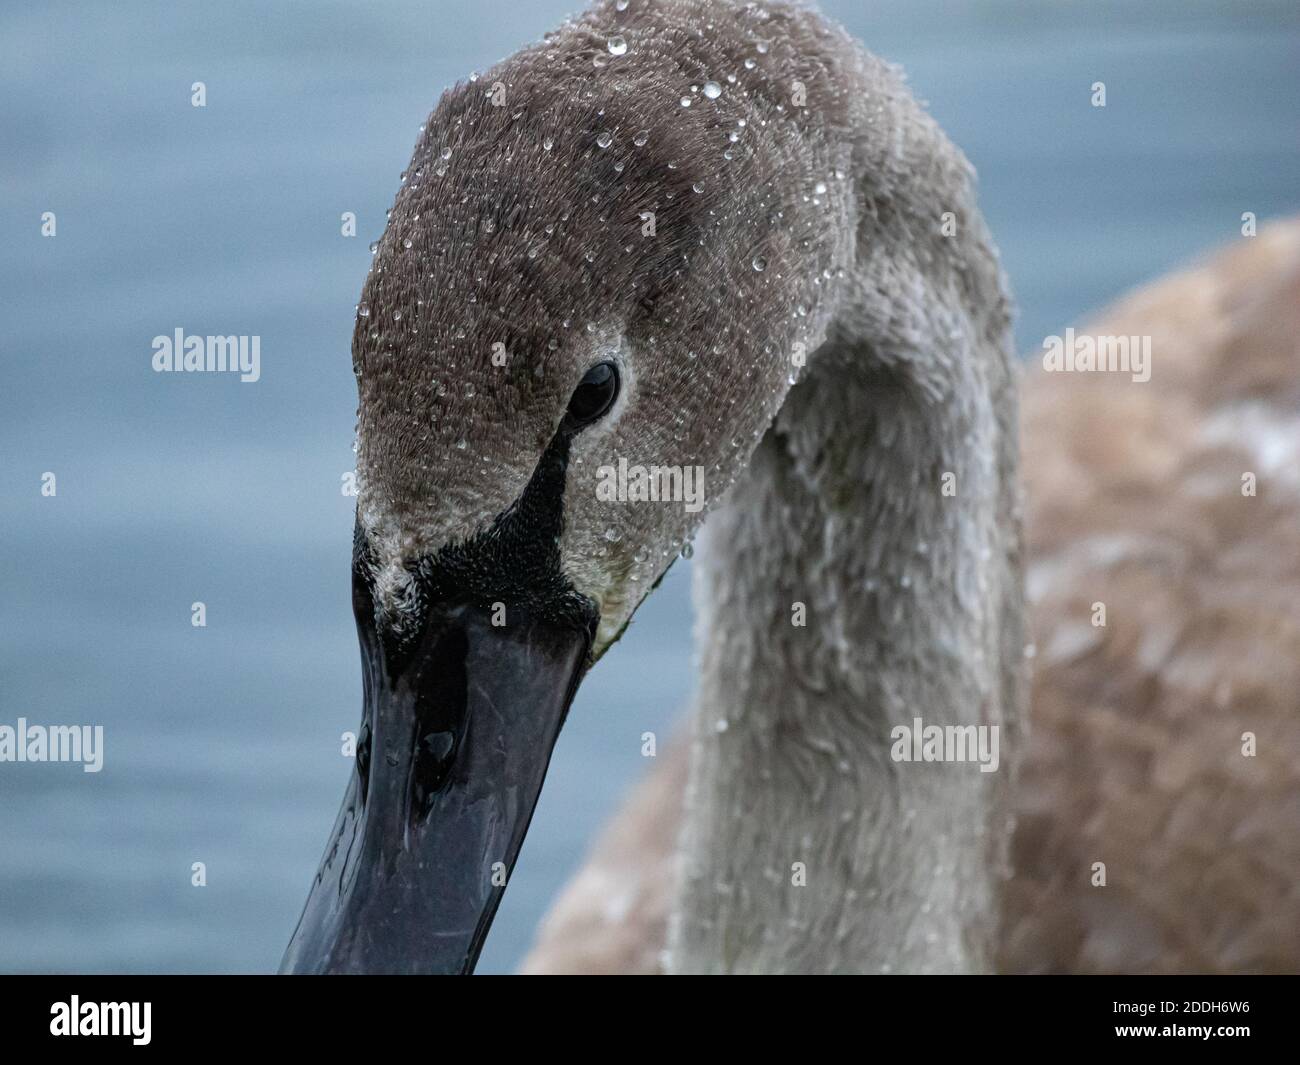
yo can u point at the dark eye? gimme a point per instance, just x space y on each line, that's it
594 395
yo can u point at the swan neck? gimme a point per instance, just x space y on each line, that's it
863 577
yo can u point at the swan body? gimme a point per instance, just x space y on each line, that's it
717 237
1135 753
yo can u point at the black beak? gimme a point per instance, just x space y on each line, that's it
456 737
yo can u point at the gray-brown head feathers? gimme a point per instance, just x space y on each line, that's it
648 186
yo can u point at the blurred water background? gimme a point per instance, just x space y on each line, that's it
223 742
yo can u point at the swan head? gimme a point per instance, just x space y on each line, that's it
587 306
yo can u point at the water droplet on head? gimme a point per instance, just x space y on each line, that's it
712 90
616 45
363 311
547 144
613 535
759 263
641 137
604 139
685 101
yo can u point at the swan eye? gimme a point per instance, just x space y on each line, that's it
594 395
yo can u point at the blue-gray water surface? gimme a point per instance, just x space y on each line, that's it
222 742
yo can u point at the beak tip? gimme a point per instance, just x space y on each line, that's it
428 832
